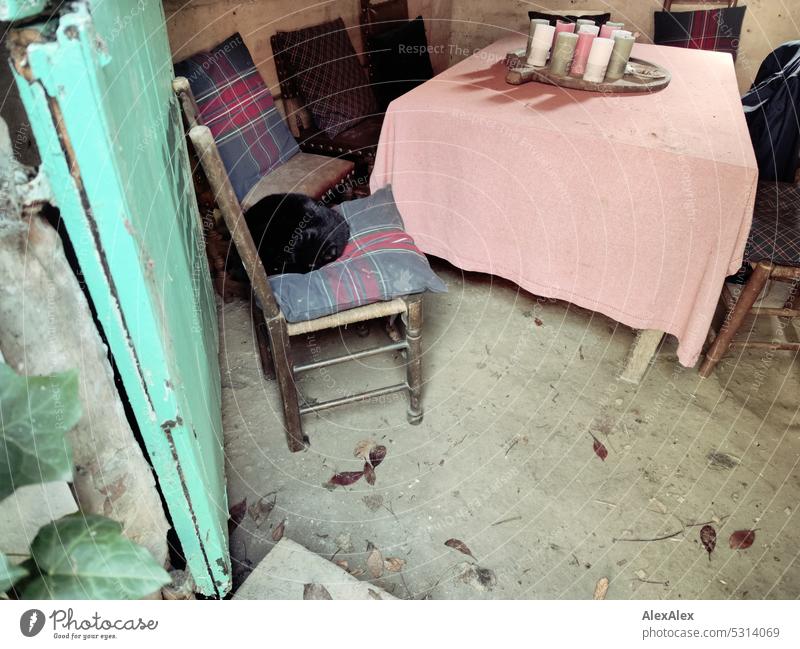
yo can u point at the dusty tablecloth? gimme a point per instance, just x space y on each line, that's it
635 206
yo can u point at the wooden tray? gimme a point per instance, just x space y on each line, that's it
649 78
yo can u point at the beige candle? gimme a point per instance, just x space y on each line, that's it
563 52
619 57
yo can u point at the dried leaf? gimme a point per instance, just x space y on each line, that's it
374 561
369 473
708 537
599 449
742 539
364 448
376 455
481 579
260 510
394 564
538 322
277 533
345 478
343 564
460 546
374 594
236 514
601 588
315 591
356 572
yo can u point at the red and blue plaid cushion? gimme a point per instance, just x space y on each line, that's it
330 76
775 233
714 29
238 108
381 262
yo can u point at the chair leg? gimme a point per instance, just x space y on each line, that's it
736 317
262 338
282 360
414 360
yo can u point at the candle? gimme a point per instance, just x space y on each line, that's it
563 52
531 30
622 32
594 30
561 26
581 54
607 30
540 45
581 22
599 56
619 56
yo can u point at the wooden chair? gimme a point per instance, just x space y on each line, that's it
773 251
377 18
279 331
668 3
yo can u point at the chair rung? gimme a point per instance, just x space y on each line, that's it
351 357
361 396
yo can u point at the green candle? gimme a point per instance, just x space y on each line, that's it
563 52
623 44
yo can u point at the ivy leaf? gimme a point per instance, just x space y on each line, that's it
9 573
35 412
87 557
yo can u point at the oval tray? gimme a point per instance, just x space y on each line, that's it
628 83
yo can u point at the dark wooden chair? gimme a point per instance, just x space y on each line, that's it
377 18
279 331
773 252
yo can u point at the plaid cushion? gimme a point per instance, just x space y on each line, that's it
775 233
379 263
330 76
237 107
712 29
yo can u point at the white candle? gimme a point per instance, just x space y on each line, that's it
599 56
540 45
594 30
531 30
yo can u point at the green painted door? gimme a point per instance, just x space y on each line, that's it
97 87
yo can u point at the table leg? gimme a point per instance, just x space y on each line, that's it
641 353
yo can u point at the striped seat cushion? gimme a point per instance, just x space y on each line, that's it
238 108
704 29
775 233
381 262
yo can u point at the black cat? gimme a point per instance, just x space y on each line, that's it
295 234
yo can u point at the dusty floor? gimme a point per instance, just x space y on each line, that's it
516 387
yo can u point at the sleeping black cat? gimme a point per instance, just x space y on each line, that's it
295 234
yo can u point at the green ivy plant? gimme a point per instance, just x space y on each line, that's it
80 556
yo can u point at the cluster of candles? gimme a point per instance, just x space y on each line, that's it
594 53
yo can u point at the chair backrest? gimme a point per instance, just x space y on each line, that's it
378 17
214 169
668 3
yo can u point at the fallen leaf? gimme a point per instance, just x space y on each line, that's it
315 591
460 546
356 572
236 514
369 473
374 561
708 537
599 449
277 533
742 539
538 322
376 455
364 448
479 578
374 594
343 564
394 564
261 509
345 478
601 588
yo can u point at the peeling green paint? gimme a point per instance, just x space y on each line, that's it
107 124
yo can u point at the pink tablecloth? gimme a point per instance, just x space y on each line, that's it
635 206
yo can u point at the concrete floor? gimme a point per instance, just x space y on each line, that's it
504 462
